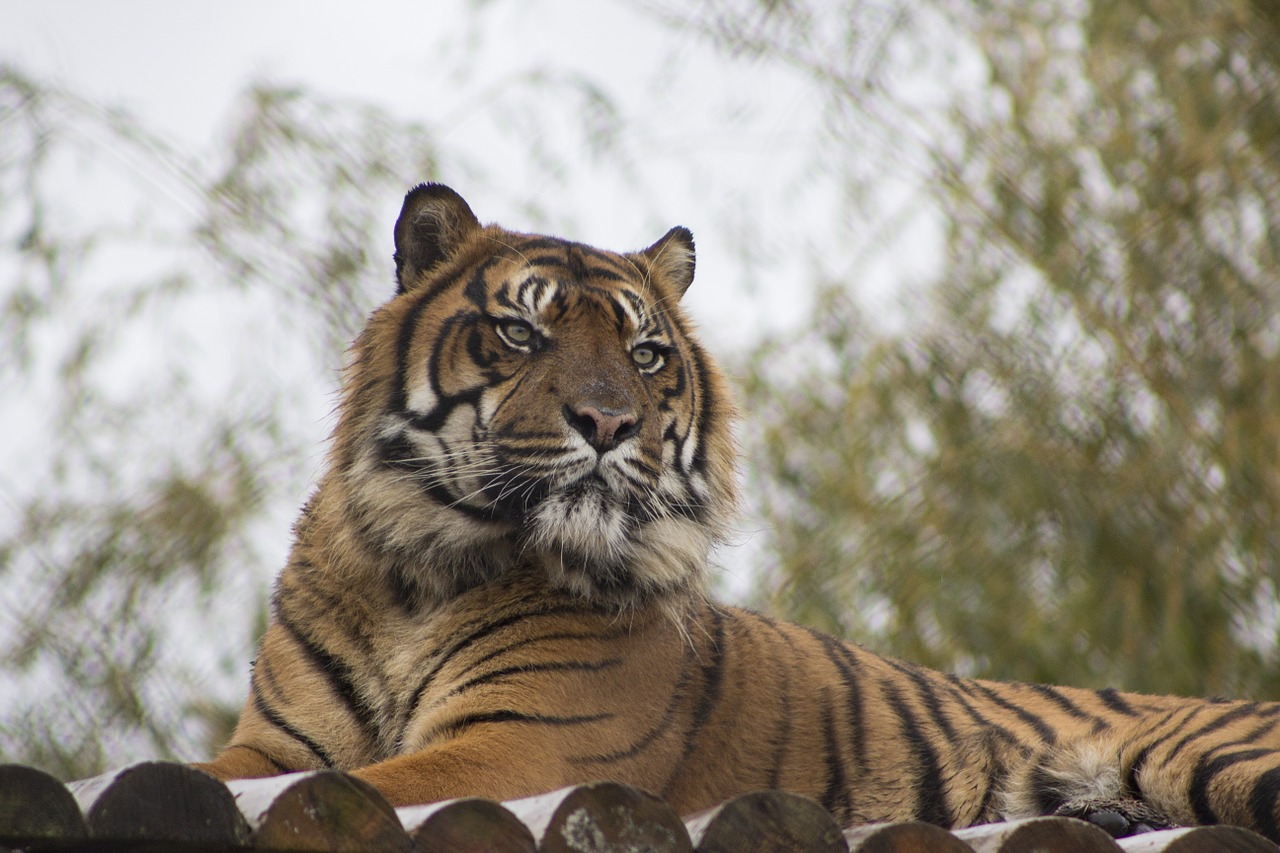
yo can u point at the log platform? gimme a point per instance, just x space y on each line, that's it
157 806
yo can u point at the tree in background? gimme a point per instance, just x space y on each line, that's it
1068 468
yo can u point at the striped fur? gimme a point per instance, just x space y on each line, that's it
498 587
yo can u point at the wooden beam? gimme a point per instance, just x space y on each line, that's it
469 825
765 821
35 807
602 816
319 810
160 802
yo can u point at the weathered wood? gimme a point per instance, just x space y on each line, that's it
603 817
766 821
322 810
1041 834
1199 839
912 837
36 808
161 802
469 825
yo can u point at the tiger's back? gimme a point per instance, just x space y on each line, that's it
498 586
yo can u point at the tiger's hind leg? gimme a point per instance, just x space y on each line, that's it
1082 780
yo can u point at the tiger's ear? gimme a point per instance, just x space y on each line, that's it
433 223
672 258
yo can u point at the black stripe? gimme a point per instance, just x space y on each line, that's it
272 716
955 689
602 273
549 666
409 325
1203 775
338 609
1135 770
473 637
619 316
986 808
1140 760
712 677
1042 729
931 797
846 664
1045 788
1258 731
1219 722
405 590
781 737
456 726
1113 700
337 673
457 324
638 304
276 765
703 409
1262 802
599 636
1071 708
835 795
925 693
646 740
476 290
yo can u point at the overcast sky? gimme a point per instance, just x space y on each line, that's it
715 137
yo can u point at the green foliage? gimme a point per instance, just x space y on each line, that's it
1066 471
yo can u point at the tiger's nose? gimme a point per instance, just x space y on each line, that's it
604 429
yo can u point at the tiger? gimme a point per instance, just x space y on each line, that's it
500 587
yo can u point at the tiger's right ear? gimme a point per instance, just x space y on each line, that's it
433 223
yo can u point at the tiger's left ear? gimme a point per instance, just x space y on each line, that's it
433 223
672 258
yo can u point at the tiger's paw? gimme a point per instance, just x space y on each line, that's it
1119 818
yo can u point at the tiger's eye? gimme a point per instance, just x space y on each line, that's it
644 356
517 331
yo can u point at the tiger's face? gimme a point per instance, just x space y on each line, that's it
525 401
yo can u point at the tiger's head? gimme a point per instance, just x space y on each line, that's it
526 402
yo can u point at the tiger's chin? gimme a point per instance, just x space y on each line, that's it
590 545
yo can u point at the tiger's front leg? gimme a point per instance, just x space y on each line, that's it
241 761
499 765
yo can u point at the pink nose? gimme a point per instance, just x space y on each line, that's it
604 429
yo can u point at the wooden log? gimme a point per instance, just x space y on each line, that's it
766 821
162 803
1199 839
1041 834
912 837
603 817
470 825
36 809
319 810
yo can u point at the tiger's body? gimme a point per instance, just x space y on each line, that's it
498 587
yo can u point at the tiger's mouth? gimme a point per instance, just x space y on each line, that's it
519 499
586 513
